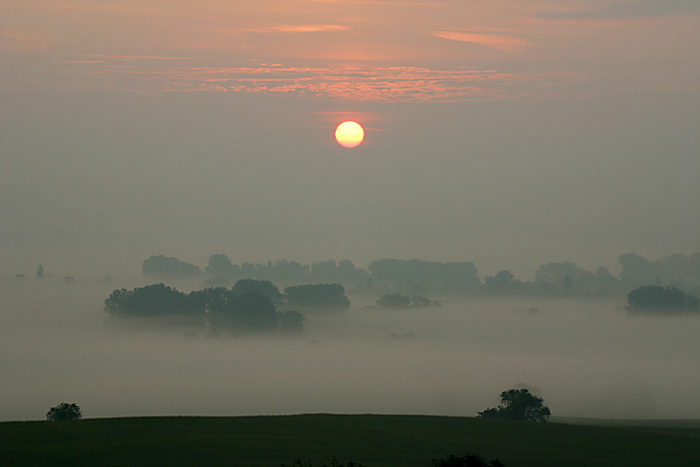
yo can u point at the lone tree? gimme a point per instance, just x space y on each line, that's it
64 411
519 404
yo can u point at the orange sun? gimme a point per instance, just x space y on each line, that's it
349 134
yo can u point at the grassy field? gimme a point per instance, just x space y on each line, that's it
374 440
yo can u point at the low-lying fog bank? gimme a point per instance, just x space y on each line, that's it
588 358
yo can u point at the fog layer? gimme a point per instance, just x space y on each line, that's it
585 358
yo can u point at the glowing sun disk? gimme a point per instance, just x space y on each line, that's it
349 134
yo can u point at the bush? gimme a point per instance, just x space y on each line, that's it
250 311
64 411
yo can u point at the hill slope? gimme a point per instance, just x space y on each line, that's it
375 440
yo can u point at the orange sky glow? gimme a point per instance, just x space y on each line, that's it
353 49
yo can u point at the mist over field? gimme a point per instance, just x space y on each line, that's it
585 357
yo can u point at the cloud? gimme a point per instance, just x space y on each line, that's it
366 84
380 2
306 28
14 39
630 9
492 41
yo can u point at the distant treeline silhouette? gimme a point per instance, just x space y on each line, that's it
414 275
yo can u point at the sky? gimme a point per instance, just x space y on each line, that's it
504 132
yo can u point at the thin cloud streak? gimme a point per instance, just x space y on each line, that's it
309 28
14 39
492 41
380 2
367 84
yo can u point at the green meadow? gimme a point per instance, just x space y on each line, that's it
373 440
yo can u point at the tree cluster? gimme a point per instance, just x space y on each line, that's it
343 271
675 270
518 404
654 298
249 306
153 300
416 276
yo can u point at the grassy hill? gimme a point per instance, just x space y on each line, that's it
374 440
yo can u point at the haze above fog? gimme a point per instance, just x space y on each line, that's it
94 183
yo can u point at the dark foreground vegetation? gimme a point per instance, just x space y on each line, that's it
370 440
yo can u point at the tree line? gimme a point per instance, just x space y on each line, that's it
415 276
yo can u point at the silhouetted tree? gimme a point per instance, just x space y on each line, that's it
291 323
458 275
40 272
661 299
344 271
211 299
64 411
220 265
673 269
503 282
568 283
264 287
153 300
519 404
254 311
250 311
565 275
